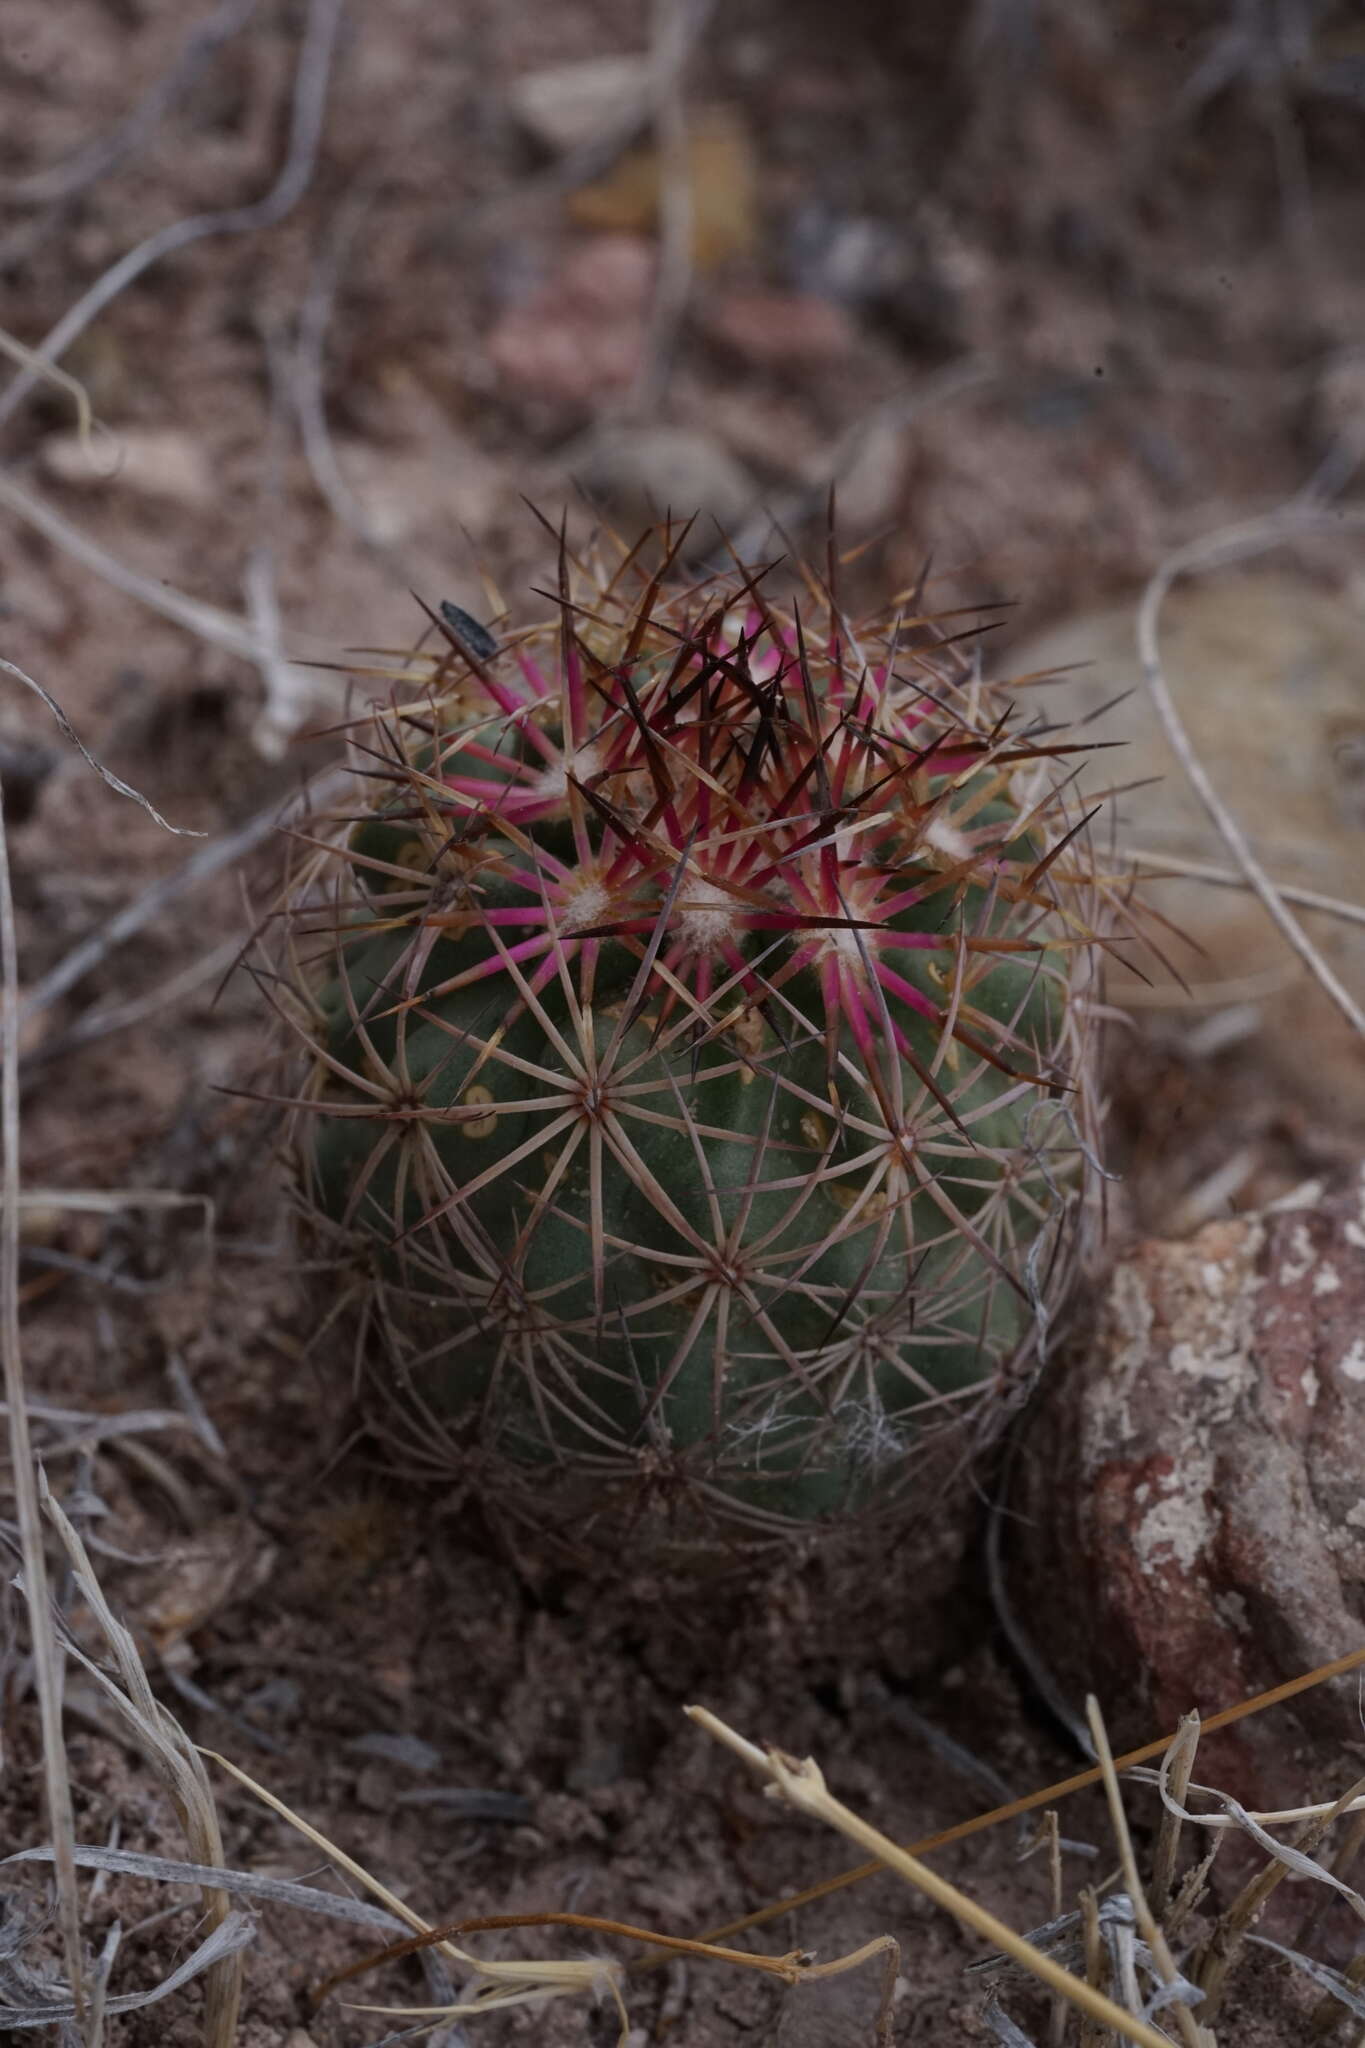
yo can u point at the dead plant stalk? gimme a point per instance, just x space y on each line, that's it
802 1784
46 1660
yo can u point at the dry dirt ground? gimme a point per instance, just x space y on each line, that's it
1061 287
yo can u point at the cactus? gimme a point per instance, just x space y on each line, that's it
693 1100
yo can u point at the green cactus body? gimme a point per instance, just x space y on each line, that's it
694 1058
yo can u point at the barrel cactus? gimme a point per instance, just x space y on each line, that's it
691 1102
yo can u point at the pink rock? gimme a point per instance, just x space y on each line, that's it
781 330
1192 1488
581 336
609 273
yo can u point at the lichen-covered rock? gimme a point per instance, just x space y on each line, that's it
1193 1492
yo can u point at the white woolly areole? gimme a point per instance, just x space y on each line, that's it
705 914
944 837
554 782
586 906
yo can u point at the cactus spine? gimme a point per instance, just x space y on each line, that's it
693 1091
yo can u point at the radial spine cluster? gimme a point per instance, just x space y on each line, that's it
691 1096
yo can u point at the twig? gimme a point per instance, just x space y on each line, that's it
311 80
1178 1764
62 180
1231 878
802 1785
1230 1931
46 1661
1237 544
106 775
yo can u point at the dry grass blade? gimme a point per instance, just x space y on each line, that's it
206 621
1096 1973
173 1757
271 1891
803 1786
46 1661
1237 544
221 1946
1340 1986
159 1001
1191 2032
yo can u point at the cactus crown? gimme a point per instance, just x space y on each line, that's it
692 1052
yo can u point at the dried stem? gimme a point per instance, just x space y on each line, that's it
1177 1767
46 1658
802 1785
1191 2032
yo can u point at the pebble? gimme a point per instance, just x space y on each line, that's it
723 190
153 462
645 471
1267 671
581 336
773 330
562 106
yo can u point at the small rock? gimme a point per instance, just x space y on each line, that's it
645 471
1191 1494
722 190
156 462
563 105
1268 674
582 335
403 492
781 330
609 273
